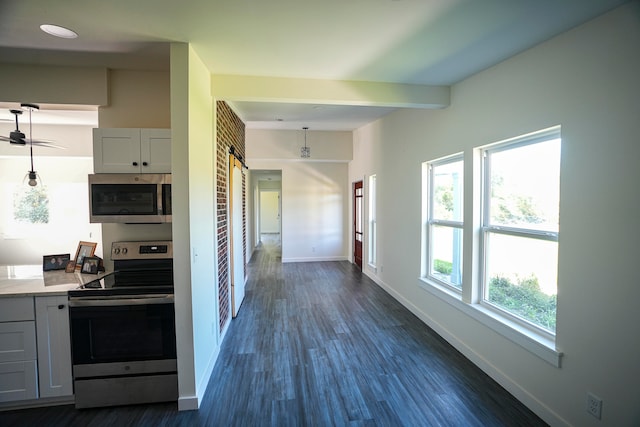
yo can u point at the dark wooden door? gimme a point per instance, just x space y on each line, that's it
358 204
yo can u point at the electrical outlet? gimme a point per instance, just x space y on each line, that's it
594 405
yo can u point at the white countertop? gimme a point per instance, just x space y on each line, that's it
30 280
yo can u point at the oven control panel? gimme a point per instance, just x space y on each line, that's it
142 250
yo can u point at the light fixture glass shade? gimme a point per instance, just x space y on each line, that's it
33 178
305 152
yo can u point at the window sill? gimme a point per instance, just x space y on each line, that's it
535 343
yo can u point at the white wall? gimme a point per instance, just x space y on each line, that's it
195 273
64 174
315 192
585 80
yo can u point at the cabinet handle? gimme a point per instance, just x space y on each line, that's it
145 164
135 163
60 306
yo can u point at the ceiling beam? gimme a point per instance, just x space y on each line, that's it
328 92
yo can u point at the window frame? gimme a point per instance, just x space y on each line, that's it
429 222
486 228
372 252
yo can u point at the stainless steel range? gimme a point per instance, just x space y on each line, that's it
123 330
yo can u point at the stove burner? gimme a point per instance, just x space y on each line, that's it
139 268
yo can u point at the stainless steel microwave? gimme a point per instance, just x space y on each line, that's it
130 198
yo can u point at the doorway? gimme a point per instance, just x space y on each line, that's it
358 201
267 220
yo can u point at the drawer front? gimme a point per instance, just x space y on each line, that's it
16 309
17 341
18 381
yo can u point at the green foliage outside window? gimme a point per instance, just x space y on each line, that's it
444 267
524 299
31 206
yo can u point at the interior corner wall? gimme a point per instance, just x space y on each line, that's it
585 80
187 393
137 99
193 169
202 220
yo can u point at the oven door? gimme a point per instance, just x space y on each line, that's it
122 329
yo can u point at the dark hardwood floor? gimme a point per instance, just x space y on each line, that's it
319 344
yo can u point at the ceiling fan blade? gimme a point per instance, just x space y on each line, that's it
48 144
38 142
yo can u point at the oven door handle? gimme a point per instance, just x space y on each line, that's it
120 300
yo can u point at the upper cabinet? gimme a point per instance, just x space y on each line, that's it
131 150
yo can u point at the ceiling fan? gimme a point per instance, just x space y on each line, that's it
18 138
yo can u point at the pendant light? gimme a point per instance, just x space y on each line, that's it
305 152
31 174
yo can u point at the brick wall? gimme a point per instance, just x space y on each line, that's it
230 132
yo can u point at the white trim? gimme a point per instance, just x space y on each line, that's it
190 403
314 259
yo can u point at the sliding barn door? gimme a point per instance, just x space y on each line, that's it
236 250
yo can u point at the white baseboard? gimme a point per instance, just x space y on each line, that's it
315 259
190 403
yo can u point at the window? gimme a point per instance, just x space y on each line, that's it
58 208
372 222
444 221
520 224
31 205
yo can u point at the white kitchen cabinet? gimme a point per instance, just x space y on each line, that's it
18 381
131 150
54 346
18 352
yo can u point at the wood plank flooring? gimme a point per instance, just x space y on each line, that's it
320 344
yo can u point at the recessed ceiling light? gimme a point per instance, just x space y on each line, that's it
58 31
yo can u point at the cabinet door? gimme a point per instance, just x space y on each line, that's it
54 346
18 353
17 341
155 150
18 381
116 150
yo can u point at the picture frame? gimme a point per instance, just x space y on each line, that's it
90 265
55 262
85 249
71 267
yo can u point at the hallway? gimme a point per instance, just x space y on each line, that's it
319 344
